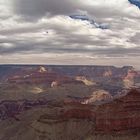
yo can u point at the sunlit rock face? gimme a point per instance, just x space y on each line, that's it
42 69
85 80
98 97
36 90
55 84
129 79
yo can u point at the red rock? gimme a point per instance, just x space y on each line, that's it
41 77
79 114
121 114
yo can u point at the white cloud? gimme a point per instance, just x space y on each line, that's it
61 39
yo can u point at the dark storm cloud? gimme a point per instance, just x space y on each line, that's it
39 8
36 9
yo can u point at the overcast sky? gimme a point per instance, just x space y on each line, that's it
41 31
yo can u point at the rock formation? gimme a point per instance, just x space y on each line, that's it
117 119
85 80
98 97
41 76
120 115
69 108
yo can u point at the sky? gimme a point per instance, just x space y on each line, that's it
42 32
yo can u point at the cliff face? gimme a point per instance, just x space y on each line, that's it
125 76
98 96
117 120
10 109
41 76
71 111
120 115
67 127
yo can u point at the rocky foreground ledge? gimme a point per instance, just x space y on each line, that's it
40 120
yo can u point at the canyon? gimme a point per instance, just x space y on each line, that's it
69 103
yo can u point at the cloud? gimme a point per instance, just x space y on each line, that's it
135 2
34 9
39 8
46 33
62 34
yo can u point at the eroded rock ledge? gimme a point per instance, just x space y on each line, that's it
115 120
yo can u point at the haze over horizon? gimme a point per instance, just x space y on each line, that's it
103 32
